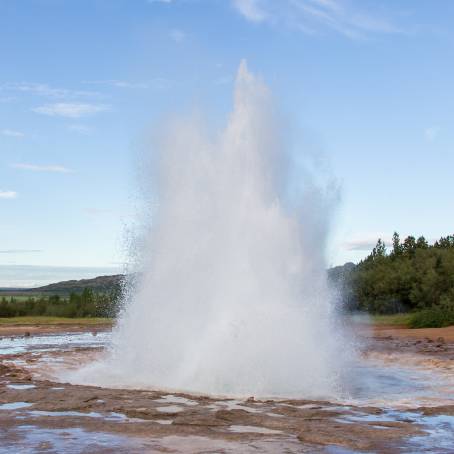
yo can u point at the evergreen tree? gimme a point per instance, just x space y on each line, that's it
397 247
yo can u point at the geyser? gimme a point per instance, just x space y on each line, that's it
232 298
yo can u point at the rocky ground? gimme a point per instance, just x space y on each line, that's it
41 415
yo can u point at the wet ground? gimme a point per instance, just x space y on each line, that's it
406 405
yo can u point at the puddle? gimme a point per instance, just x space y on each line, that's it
170 399
236 405
52 342
65 413
13 386
275 415
253 429
30 438
339 450
438 436
377 382
111 416
15 405
170 409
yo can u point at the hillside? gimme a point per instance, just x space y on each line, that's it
100 284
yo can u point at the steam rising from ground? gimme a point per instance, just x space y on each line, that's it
233 298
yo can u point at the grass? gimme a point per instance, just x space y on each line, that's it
393 319
43 320
428 318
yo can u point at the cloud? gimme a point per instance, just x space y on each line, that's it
177 35
70 110
42 168
8 194
46 90
348 18
118 83
365 244
11 133
432 133
160 1
19 251
250 9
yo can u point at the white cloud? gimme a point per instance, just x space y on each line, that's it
250 9
177 35
46 90
432 133
11 133
42 168
8 194
367 243
70 110
160 1
118 83
348 18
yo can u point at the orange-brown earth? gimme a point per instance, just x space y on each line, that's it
37 329
60 417
447 333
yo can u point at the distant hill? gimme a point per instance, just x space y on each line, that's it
339 273
100 284
338 276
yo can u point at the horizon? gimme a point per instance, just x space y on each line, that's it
365 87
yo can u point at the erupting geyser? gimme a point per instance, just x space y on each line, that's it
232 298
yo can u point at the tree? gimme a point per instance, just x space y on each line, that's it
421 243
397 247
379 250
445 242
409 246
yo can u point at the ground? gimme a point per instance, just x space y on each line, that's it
41 414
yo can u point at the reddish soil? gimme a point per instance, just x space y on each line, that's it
25 330
422 333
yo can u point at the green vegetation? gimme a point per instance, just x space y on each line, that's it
413 277
435 317
76 305
42 320
392 319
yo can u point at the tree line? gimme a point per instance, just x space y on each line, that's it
84 304
412 275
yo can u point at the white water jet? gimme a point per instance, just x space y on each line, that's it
233 298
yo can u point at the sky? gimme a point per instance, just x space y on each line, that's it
366 85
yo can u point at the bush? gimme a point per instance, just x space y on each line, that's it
5 309
435 317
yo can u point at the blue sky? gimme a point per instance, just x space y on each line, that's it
367 84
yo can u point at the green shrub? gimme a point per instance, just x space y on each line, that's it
434 317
